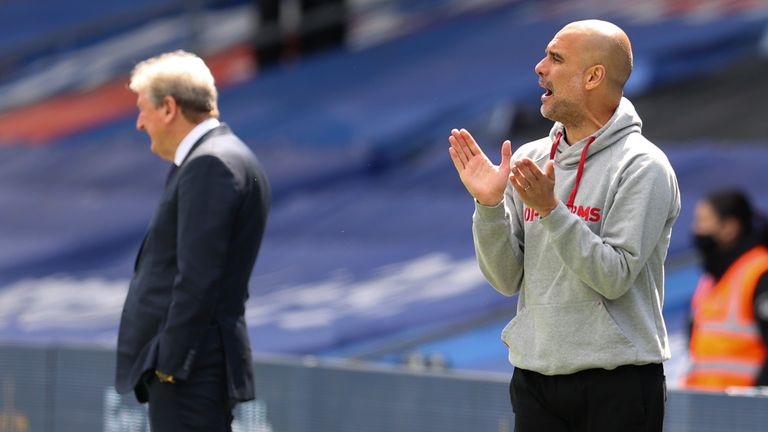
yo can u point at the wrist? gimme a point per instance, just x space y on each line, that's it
493 202
547 210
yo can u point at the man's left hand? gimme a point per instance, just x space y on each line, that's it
536 187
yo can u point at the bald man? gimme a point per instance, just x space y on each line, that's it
578 225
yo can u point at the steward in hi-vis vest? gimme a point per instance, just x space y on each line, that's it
726 346
729 311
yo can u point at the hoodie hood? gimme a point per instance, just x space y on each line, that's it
624 121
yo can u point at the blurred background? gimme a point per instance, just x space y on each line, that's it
368 252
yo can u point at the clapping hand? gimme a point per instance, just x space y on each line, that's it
485 181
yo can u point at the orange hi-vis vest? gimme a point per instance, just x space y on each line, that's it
726 348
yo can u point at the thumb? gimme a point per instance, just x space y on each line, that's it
506 155
549 169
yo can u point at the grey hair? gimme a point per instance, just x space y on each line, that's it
182 76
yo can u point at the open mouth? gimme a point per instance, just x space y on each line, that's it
547 90
547 94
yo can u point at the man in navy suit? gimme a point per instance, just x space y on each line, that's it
183 343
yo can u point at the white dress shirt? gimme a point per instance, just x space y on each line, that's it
198 131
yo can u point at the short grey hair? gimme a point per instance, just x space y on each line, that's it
181 75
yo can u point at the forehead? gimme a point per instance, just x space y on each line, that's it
564 40
705 211
142 101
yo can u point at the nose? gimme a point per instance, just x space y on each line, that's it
539 68
139 123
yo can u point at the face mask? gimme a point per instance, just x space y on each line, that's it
712 259
705 244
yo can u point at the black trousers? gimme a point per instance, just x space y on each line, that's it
199 404
626 399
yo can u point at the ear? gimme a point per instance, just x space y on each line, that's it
594 76
169 108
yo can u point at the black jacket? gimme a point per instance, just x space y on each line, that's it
192 271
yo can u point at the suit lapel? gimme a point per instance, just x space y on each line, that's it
171 171
174 169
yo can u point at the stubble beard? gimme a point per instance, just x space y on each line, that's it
565 112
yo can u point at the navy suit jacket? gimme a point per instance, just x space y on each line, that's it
190 282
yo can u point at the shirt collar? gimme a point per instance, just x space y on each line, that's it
195 134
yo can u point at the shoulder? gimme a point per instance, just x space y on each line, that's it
219 144
225 147
638 147
645 167
227 155
637 155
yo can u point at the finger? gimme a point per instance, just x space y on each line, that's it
531 171
519 178
472 145
457 147
517 184
457 162
519 174
462 144
549 170
506 155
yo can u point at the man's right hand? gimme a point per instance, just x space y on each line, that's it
485 181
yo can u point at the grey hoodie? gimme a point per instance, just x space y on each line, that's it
590 278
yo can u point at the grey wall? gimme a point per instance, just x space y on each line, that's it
58 389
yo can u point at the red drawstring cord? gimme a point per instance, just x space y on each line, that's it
555 143
582 161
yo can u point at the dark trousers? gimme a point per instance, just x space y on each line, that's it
627 399
198 404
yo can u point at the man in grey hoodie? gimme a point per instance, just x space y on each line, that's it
578 224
